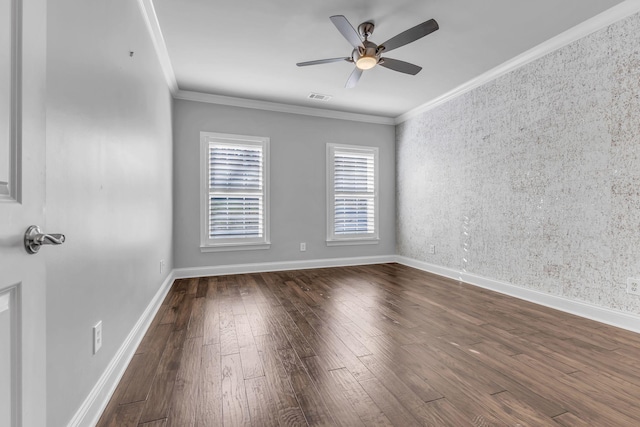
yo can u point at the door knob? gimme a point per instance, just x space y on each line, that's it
34 238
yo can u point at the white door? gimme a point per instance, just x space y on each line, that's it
22 195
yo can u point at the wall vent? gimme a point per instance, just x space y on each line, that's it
319 97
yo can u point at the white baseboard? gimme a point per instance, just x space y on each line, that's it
91 409
628 321
181 273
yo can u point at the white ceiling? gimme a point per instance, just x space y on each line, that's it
249 48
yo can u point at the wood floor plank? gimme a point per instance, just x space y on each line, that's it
126 415
450 415
235 408
372 345
569 420
180 286
311 402
625 393
263 280
261 404
212 288
196 322
140 384
385 369
460 362
251 365
459 390
388 403
288 410
173 306
159 398
203 287
156 423
317 342
402 392
526 414
513 344
209 405
341 410
228 335
327 345
273 327
256 321
539 380
192 286
296 338
183 314
370 413
627 409
350 339
109 413
590 356
185 390
211 327
243 330
157 321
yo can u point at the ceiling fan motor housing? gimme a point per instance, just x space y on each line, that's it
370 50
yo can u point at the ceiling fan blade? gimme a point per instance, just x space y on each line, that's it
353 78
347 30
397 65
410 35
322 61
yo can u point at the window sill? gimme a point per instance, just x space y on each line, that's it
235 247
347 242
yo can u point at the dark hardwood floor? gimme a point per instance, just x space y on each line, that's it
372 346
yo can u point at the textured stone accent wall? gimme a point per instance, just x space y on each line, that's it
534 178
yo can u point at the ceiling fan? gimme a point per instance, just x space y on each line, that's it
367 54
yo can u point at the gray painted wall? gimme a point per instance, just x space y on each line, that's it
298 181
533 179
109 183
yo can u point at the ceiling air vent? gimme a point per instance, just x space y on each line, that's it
319 97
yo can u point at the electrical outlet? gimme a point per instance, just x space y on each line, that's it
633 286
97 337
432 249
162 266
303 247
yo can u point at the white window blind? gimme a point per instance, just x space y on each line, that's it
236 193
353 194
236 207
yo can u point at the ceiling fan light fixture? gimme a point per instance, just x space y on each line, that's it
366 62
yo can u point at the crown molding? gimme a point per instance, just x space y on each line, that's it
604 19
281 108
153 26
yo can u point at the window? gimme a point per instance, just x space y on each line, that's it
235 192
352 194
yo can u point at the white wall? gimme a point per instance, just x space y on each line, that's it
533 178
109 188
298 210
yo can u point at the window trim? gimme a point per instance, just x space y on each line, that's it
353 239
207 244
